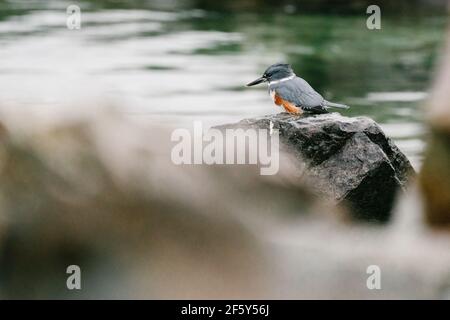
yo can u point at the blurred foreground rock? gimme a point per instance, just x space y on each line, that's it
346 159
435 175
103 194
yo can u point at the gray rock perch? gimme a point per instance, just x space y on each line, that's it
348 159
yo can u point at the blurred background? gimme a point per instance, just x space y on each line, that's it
176 61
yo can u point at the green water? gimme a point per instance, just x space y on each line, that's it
175 63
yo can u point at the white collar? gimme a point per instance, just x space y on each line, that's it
282 80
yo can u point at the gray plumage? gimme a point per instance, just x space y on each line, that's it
300 93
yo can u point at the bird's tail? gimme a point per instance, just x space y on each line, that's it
336 105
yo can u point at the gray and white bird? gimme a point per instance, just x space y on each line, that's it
293 93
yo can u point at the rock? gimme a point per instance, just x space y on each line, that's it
346 159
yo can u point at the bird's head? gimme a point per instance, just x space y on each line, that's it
274 72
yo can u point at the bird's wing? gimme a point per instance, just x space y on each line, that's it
299 92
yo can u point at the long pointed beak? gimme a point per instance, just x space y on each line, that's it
257 81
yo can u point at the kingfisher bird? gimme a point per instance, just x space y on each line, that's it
293 93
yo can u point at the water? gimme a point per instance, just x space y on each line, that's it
179 64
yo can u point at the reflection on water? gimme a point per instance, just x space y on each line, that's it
181 65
